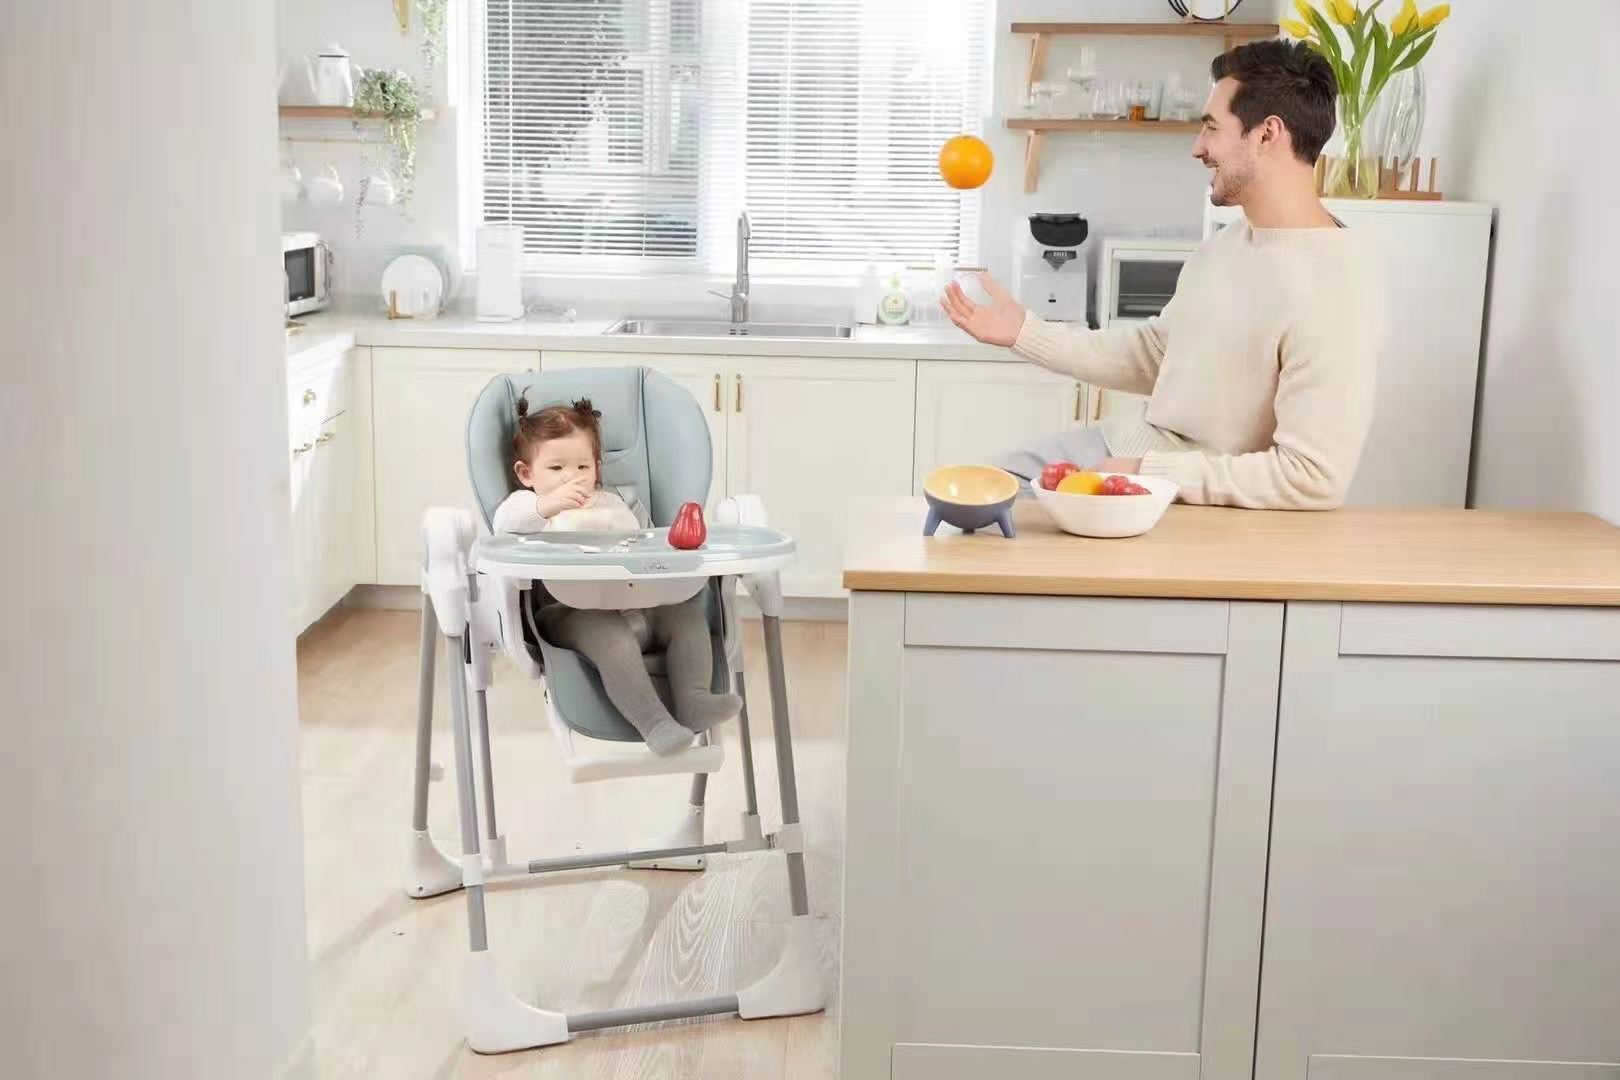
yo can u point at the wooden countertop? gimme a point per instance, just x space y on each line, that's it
1396 556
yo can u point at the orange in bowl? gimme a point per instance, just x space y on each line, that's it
1081 483
965 162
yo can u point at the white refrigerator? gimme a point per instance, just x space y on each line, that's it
1435 257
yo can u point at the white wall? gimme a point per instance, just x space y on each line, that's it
153 900
1123 183
1520 102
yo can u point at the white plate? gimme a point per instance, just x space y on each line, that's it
1110 515
419 284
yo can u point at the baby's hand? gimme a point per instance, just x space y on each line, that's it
571 496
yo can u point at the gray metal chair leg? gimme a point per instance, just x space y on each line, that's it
428 871
746 746
488 769
424 714
466 796
785 777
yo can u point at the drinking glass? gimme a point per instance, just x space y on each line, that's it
1108 100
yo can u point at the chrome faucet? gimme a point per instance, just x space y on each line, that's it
739 287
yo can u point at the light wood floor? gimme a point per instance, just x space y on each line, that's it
386 966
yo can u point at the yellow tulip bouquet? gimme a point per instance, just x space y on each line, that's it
1363 62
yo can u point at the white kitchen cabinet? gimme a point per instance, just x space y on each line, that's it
807 436
1445 855
1056 853
703 376
331 505
420 402
1107 404
973 412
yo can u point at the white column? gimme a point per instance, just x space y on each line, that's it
151 903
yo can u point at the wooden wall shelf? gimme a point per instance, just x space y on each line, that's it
1020 123
332 112
1152 29
1041 33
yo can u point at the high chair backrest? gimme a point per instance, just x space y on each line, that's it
655 438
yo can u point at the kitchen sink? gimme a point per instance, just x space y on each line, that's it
720 328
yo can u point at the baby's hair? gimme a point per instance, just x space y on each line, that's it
555 422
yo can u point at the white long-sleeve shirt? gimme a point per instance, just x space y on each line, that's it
1261 369
519 512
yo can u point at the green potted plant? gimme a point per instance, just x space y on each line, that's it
392 97
1364 54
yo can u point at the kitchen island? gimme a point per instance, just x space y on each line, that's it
1290 796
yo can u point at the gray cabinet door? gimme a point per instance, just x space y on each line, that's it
1056 836
1444 885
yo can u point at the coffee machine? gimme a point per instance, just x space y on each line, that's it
1050 266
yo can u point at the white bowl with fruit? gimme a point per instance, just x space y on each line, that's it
1104 505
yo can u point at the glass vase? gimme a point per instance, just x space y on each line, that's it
1352 167
1395 122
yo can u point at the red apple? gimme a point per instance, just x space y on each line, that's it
688 532
1053 474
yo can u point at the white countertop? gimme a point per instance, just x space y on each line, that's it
327 331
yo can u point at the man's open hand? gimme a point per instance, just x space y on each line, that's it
995 323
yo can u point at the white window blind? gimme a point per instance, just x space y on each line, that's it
629 134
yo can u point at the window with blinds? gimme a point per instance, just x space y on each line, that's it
629 134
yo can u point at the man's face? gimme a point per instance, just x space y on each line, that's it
1224 148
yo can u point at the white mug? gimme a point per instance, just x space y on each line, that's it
380 190
292 182
326 187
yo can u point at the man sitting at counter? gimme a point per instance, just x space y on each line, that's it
1261 368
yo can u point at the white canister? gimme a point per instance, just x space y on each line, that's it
864 310
500 272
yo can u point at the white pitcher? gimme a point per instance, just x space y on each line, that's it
331 78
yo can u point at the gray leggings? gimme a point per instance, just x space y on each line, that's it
610 641
1084 446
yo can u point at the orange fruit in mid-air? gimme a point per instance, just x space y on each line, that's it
965 162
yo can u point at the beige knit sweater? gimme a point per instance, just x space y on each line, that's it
1261 369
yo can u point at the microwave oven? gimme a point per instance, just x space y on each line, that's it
307 272
1136 278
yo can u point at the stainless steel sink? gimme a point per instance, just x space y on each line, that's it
719 328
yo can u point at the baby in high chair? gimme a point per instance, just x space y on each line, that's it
558 460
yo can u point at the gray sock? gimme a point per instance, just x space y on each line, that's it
700 712
667 737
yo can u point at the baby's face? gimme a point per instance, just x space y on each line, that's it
557 461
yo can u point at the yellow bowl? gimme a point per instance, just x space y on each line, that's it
970 497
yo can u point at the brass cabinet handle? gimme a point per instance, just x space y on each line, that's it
739 393
303 448
1096 413
309 397
325 437
1079 396
717 405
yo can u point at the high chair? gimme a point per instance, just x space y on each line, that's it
479 594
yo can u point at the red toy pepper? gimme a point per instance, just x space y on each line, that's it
688 532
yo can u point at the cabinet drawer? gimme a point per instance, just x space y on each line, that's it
1347 1067
927 1061
1077 623
320 394
1507 633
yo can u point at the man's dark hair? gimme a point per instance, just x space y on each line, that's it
1288 80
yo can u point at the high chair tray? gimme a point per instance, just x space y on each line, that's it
596 556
